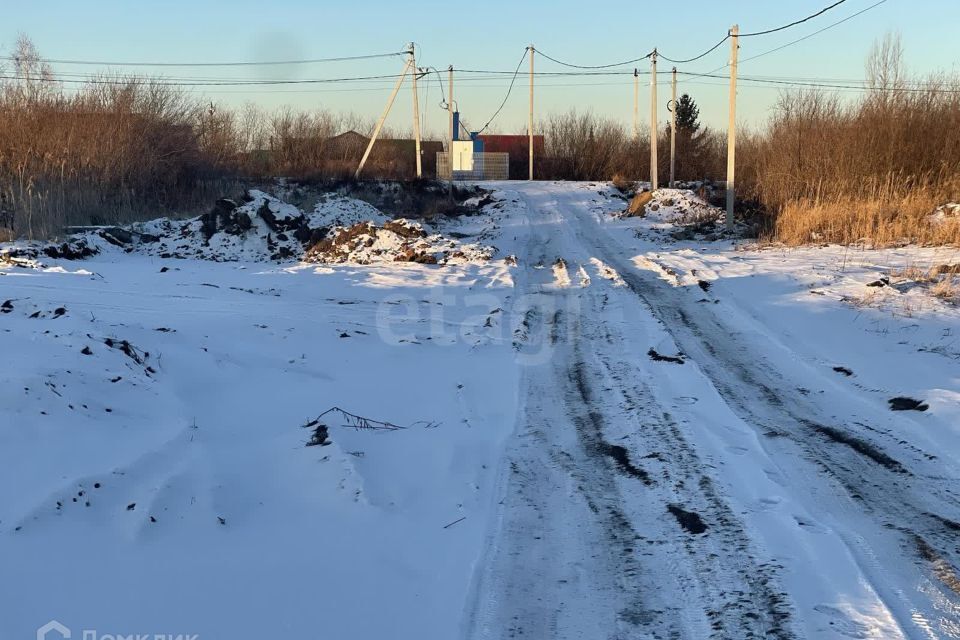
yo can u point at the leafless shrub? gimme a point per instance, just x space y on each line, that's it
873 169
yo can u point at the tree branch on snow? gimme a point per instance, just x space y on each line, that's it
355 421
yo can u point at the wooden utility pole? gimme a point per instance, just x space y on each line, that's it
416 110
531 51
732 125
382 119
673 129
653 121
636 105
453 134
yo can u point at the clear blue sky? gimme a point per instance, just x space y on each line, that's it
483 35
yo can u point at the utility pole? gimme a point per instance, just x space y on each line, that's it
531 51
416 110
453 134
450 106
732 125
382 119
636 105
653 121
673 129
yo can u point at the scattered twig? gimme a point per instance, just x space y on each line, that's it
427 424
355 421
447 526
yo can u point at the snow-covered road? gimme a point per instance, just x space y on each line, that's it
607 436
733 491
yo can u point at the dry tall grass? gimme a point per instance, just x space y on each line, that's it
873 169
880 217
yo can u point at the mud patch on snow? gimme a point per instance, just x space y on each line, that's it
659 357
901 403
689 520
943 570
395 241
622 457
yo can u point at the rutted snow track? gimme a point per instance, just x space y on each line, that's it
699 495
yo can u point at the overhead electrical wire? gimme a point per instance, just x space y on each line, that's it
140 80
758 33
818 31
708 51
824 85
509 91
479 74
216 64
586 66
794 23
806 37
381 81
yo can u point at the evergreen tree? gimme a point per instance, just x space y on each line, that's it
688 114
689 139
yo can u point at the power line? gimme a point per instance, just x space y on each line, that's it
810 35
509 90
818 31
148 81
214 64
557 73
760 33
68 76
443 92
919 85
599 66
710 50
794 23
824 85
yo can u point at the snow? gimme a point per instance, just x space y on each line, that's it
246 355
536 486
334 210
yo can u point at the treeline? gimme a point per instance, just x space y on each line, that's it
875 168
125 148
822 168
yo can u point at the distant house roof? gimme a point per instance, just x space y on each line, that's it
349 139
399 149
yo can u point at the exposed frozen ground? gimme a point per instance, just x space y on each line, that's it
646 438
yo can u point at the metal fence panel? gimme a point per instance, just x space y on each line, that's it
486 166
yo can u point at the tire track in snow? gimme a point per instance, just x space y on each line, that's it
586 545
882 485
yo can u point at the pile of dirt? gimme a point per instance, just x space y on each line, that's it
260 227
681 214
30 254
394 241
412 199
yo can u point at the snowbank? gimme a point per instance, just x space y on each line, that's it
263 228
